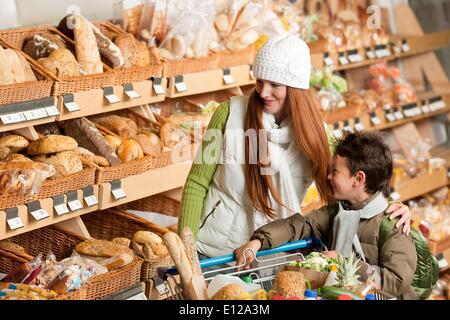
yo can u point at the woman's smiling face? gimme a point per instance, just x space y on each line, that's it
273 95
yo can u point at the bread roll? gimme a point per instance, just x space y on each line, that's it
123 241
124 127
102 248
146 237
61 63
65 163
177 251
41 45
6 76
130 150
98 160
136 53
86 47
290 284
149 143
231 291
14 142
52 144
16 157
113 140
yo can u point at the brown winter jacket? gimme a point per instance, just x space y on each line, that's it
396 258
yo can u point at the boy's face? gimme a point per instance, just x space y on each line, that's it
341 179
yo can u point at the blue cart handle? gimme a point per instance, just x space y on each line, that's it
300 244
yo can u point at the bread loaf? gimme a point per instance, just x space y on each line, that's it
124 127
65 163
101 248
52 144
61 63
188 239
47 129
135 53
41 45
177 251
53 161
98 160
16 157
146 237
149 143
29 74
14 142
290 284
17 70
231 291
86 47
6 76
90 138
129 150
123 241
4 152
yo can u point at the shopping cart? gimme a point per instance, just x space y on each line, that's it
168 281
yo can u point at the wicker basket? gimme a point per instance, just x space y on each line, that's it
26 91
61 244
16 38
185 66
50 188
116 223
158 203
136 74
131 168
236 58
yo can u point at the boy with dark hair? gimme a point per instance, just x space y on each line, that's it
360 177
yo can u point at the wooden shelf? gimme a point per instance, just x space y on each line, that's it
30 224
440 246
146 184
417 187
418 45
208 81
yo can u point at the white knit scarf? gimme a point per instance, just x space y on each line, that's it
280 159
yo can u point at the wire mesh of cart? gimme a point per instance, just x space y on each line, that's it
168 280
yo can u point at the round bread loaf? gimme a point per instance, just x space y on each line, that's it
52 144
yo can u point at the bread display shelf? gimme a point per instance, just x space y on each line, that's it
207 81
347 116
29 223
439 246
417 45
416 187
144 185
94 101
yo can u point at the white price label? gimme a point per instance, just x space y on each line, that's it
348 129
337 133
354 58
343 60
132 94
52 111
112 98
398 115
228 78
118 193
159 89
409 112
180 86
13 118
91 200
376 121
72 106
426 108
370 54
437 105
61 209
15 223
395 196
139 296
359 127
405 47
75 205
328 61
35 114
39 214
382 53
390 117
442 263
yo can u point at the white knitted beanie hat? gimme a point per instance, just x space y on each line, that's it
284 59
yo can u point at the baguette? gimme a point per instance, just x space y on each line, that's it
191 249
178 252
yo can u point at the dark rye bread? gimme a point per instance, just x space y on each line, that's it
88 137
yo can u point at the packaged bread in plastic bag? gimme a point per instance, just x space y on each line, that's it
25 177
127 13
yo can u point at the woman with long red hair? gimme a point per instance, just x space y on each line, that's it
260 154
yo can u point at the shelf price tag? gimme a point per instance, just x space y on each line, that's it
358 125
13 219
179 84
337 133
354 56
369 53
343 59
227 77
12 118
390 116
35 114
73 202
130 92
327 59
398 114
157 86
59 205
69 103
89 196
374 119
116 189
381 51
405 46
109 94
34 208
52 111
347 126
411 110
436 104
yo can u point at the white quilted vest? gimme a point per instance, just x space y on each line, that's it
228 218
